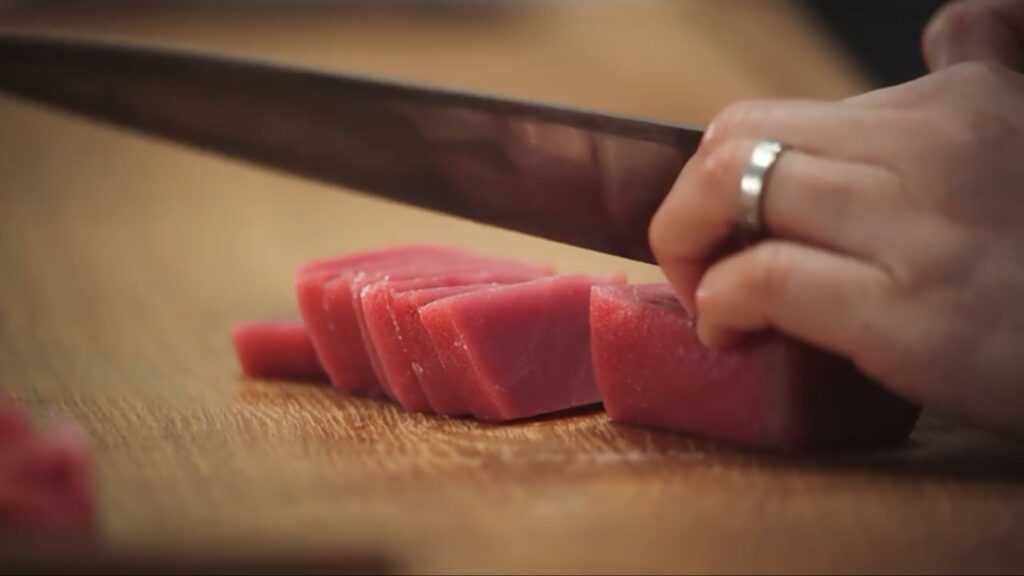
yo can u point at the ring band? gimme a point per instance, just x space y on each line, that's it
752 185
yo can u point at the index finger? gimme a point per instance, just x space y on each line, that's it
692 223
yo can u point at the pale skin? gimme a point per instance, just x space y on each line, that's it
895 224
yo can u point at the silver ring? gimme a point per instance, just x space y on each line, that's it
752 185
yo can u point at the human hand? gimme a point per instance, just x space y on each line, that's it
895 236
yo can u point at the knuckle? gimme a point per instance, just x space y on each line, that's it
908 275
723 163
734 116
989 129
701 200
769 275
957 133
943 256
981 80
951 256
979 141
984 73
972 132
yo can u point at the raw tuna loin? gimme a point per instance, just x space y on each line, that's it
770 392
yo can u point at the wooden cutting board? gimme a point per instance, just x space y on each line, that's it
126 260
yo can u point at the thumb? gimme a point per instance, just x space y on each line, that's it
966 30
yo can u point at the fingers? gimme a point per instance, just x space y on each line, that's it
829 203
835 130
837 205
969 30
695 218
817 296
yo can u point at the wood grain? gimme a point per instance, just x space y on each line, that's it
126 260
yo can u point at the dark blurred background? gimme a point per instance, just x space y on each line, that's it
884 36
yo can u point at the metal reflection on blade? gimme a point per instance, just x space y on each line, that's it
583 178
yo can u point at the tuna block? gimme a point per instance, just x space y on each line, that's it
768 393
276 350
401 347
518 350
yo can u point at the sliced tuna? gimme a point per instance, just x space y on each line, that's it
401 348
277 350
518 350
335 335
418 274
441 394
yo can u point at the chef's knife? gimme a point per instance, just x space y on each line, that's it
588 179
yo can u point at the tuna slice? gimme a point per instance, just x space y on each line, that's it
518 350
770 392
400 347
276 350
335 335
418 274
424 360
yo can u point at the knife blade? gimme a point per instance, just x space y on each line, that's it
580 177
